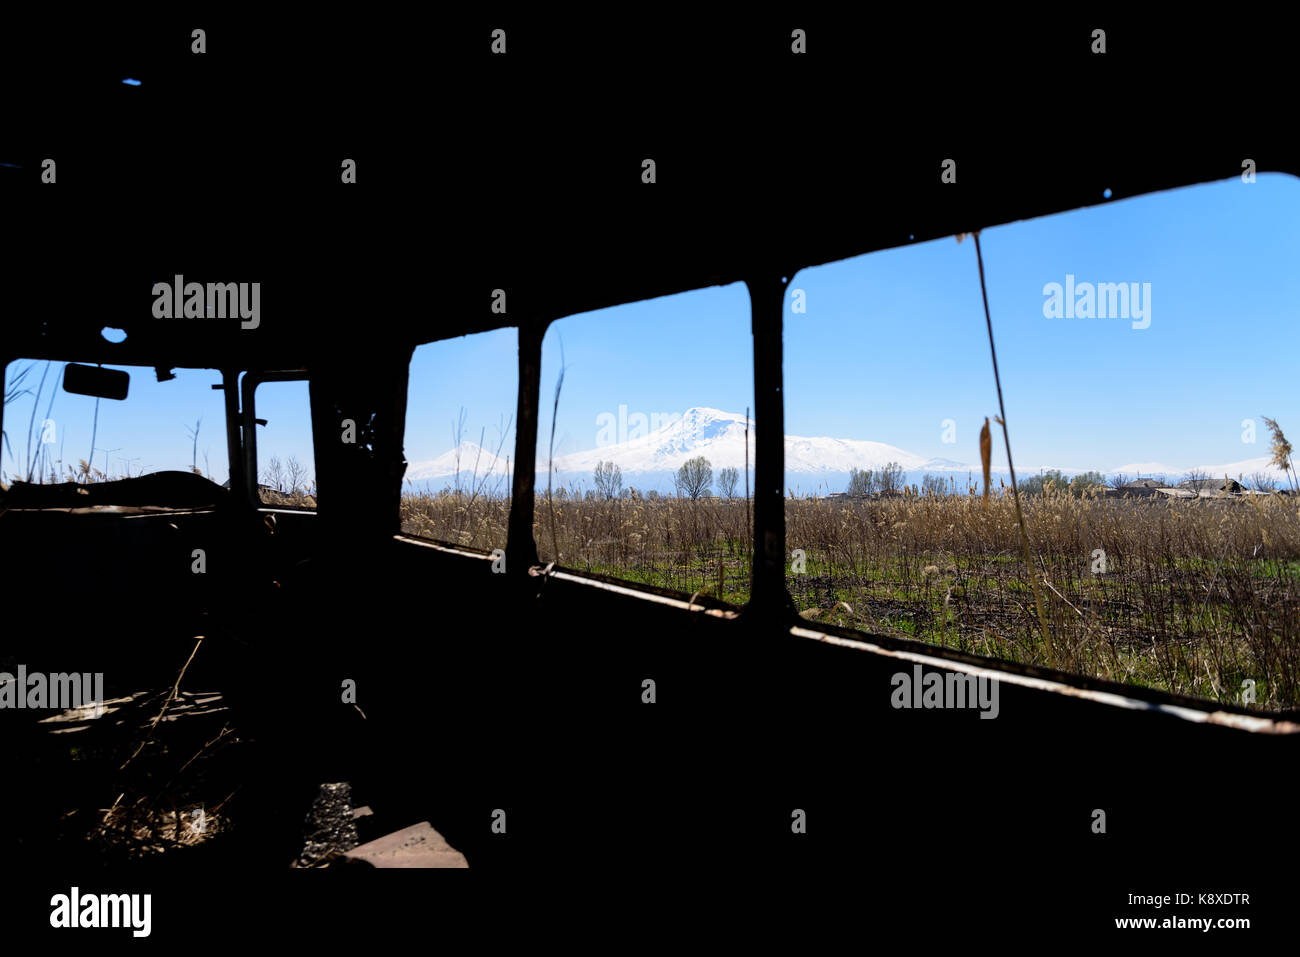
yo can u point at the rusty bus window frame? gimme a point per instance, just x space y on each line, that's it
768 592
521 547
248 423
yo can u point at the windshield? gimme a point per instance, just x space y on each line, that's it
50 435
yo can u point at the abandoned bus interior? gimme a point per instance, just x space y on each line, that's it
286 681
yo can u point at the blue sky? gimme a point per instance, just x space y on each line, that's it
150 430
892 344
478 373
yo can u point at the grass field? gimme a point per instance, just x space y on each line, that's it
1193 597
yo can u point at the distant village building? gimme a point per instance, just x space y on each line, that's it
1140 488
1212 488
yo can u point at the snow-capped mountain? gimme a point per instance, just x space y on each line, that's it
720 437
445 465
1246 467
1146 470
650 460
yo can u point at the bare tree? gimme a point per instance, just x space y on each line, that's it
194 450
728 479
932 484
609 480
1119 480
694 477
891 477
295 473
274 474
862 482
1262 482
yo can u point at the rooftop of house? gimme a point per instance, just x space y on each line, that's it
1212 485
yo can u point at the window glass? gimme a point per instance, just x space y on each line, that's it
460 439
51 435
1144 347
641 457
286 466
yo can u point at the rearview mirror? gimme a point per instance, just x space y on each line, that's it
94 380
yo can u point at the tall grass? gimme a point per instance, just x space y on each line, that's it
1194 596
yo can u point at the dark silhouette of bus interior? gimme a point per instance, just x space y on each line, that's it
522 692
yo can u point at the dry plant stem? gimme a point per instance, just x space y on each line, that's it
217 807
170 698
31 424
748 522
550 461
1002 411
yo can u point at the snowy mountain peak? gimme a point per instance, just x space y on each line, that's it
472 459
651 450
719 436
